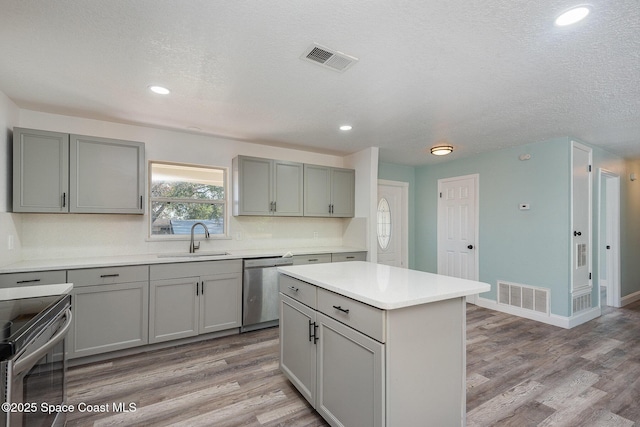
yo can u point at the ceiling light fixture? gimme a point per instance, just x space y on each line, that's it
572 16
346 127
441 150
159 90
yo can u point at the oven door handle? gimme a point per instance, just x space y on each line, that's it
27 362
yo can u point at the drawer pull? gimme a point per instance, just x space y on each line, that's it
28 281
294 289
344 310
313 259
350 257
109 275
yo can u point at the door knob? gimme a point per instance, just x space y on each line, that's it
577 233
470 247
608 247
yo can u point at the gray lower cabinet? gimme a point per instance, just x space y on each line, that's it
110 309
58 173
333 257
339 370
348 256
10 280
188 299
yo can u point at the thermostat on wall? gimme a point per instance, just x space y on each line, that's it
524 206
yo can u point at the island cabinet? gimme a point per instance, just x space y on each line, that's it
329 191
267 187
192 298
370 355
110 309
59 173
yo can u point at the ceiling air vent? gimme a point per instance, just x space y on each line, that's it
332 59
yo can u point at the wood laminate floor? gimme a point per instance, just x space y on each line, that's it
519 373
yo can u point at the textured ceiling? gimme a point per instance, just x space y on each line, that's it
478 75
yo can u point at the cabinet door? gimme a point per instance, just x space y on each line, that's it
40 171
106 175
288 188
343 192
220 302
297 347
317 190
252 188
173 309
350 376
108 318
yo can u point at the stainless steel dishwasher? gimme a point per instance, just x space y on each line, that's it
260 300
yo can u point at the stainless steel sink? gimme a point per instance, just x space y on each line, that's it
193 255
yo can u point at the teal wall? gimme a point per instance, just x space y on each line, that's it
526 247
393 172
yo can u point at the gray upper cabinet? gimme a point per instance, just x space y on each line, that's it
106 175
267 187
329 191
57 172
40 171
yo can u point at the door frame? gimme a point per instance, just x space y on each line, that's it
476 188
583 289
404 220
611 203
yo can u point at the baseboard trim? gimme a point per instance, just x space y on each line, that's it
628 299
552 319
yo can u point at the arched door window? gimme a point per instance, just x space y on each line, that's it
384 223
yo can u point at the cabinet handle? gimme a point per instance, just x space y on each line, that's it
313 259
140 202
275 206
344 310
64 200
350 257
28 281
329 208
311 330
109 275
315 333
202 288
294 289
197 288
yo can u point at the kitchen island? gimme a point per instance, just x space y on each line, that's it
368 344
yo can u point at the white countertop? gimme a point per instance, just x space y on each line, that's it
106 261
383 286
34 291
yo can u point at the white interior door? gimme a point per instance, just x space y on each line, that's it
392 223
457 227
609 241
581 217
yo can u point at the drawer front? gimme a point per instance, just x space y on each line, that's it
359 316
349 256
311 259
194 269
33 278
108 275
298 290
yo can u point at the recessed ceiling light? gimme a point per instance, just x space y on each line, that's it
346 127
572 16
441 150
159 90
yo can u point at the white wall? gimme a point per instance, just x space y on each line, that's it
365 163
75 235
9 223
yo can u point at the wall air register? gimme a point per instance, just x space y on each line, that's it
328 58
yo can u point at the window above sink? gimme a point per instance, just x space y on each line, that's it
181 195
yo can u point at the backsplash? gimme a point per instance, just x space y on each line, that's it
45 236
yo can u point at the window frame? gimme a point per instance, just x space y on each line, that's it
226 207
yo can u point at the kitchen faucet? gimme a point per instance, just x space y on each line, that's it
192 245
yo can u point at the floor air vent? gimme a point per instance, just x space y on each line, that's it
525 297
328 58
581 302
